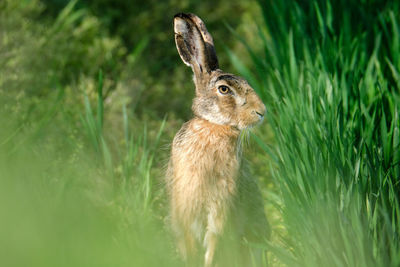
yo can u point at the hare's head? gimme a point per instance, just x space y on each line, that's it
221 98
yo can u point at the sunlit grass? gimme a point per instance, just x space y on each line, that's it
80 186
331 84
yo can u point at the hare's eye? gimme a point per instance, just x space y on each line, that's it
224 89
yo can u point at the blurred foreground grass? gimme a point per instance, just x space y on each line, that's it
64 203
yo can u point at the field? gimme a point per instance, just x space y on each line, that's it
92 93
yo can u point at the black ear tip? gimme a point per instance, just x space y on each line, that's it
181 15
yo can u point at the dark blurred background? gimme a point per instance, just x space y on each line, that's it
131 41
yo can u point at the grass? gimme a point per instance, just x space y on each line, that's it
82 184
332 85
78 198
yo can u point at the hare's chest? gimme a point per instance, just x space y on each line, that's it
210 165
205 166
211 155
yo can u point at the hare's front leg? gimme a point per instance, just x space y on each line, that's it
186 245
216 220
185 239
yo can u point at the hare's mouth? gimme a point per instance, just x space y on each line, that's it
260 120
257 121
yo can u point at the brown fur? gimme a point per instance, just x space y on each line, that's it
204 182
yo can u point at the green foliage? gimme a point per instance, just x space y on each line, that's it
159 70
65 202
73 191
330 78
83 90
38 57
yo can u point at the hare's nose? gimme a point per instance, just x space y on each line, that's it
260 114
261 110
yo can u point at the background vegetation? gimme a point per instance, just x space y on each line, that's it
92 92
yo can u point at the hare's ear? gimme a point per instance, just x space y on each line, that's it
195 44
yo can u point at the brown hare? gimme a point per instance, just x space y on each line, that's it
207 190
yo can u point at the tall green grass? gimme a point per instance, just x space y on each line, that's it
82 186
329 75
73 194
